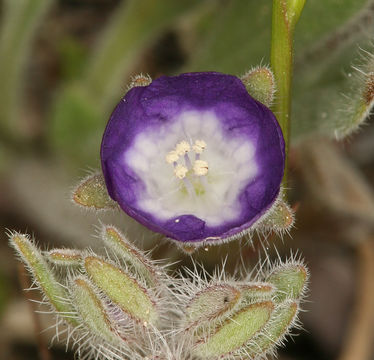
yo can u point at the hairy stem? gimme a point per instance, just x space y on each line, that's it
285 16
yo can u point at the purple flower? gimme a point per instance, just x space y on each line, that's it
193 157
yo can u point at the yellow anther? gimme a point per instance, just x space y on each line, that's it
180 171
199 146
182 148
171 157
200 167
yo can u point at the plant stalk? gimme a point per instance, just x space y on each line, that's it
286 13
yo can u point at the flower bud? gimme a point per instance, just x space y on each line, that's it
122 289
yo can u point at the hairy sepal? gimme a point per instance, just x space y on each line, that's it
290 280
235 332
91 193
64 257
139 80
134 258
91 309
54 291
283 318
211 304
122 289
260 84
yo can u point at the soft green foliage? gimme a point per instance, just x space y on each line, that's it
324 50
355 106
113 313
91 193
260 84
20 19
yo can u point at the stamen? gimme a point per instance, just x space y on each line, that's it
180 171
187 161
199 146
200 167
182 148
172 157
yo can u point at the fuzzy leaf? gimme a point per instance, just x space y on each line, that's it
122 289
115 240
260 84
91 309
224 45
235 332
357 105
42 273
290 280
211 303
92 193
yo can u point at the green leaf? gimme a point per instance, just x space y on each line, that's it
325 40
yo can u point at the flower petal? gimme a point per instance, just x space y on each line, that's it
237 175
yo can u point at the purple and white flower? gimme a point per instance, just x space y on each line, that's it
193 157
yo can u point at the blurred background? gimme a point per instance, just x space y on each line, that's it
64 64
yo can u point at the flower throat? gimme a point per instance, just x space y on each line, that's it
192 172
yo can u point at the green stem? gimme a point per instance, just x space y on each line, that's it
285 16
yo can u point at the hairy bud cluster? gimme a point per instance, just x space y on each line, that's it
125 306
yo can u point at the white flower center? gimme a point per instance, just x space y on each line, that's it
190 172
191 166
